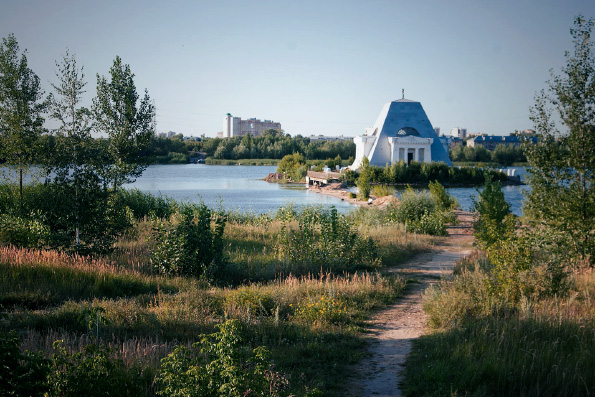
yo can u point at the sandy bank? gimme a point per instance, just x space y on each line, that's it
338 190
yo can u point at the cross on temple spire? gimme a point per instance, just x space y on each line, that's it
403 92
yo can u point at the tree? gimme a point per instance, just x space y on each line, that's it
364 179
21 108
493 222
75 162
562 164
128 122
294 166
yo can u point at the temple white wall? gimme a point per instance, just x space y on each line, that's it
420 148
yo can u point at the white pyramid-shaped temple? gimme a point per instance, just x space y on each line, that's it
402 132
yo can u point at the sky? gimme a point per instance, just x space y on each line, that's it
317 67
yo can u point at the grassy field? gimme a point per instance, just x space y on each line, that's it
480 345
310 320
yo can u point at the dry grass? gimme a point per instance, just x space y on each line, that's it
541 345
314 345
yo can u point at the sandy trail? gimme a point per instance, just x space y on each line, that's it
392 330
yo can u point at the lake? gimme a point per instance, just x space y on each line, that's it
241 188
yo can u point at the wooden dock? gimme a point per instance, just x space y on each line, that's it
322 178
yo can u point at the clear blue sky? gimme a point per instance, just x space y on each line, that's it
318 67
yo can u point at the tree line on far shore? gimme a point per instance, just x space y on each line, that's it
271 144
502 155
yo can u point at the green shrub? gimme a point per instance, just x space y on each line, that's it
349 177
420 213
21 374
414 205
294 166
219 365
364 179
91 373
325 240
443 200
383 190
190 243
492 223
24 232
511 259
431 223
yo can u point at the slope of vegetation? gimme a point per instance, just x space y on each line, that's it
279 278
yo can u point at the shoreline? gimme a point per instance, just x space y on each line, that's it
337 191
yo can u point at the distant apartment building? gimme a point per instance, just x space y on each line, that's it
330 138
459 132
169 134
235 126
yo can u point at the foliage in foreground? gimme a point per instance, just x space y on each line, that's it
189 243
219 364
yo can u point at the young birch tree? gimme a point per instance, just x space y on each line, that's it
74 160
562 165
128 122
21 109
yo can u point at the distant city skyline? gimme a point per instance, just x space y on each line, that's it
317 67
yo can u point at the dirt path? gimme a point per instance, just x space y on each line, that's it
393 329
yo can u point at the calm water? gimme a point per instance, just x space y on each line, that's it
240 188
237 188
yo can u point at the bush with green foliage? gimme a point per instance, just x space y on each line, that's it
294 166
324 240
28 232
145 204
219 365
420 213
91 373
190 242
511 261
21 374
492 223
443 200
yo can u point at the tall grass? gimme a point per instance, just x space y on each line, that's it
310 323
482 345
